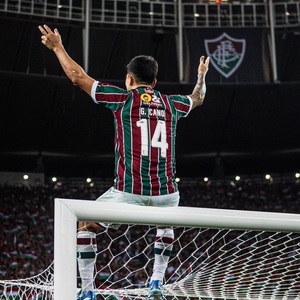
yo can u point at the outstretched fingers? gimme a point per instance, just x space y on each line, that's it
203 66
42 30
204 61
45 29
49 38
201 59
207 61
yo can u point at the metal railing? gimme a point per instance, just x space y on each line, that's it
135 13
226 15
71 10
160 13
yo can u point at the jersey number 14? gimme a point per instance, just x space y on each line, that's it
158 140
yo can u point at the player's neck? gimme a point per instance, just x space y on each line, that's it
143 86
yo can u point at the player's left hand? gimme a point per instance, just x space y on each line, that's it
203 65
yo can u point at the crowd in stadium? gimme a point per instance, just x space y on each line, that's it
27 213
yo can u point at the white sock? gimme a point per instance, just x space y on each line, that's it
86 258
162 251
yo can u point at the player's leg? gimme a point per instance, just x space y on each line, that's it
86 258
87 247
163 246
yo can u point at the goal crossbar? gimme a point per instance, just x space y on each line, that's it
68 212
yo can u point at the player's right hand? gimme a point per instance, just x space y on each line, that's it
49 38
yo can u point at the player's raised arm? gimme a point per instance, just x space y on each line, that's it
199 91
52 40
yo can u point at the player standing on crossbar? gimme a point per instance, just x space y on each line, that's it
145 131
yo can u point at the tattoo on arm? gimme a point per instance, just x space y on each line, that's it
199 91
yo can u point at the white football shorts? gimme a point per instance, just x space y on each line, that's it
114 195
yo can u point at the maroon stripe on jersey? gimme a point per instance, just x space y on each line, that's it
120 167
136 144
164 239
154 158
182 106
86 241
115 96
102 97
170 149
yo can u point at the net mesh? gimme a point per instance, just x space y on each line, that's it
206 263
32 288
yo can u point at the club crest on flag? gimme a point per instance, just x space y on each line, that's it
226 53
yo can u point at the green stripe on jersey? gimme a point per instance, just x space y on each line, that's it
126 122
162 176
174 121
145 161
117 154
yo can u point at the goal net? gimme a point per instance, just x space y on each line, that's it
32 288
217 254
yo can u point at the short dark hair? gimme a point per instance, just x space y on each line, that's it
143 68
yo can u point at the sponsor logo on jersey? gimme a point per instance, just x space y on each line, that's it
226 53
146 97
156 100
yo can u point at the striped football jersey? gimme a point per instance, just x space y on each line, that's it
145 131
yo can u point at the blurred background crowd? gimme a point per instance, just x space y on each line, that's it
27 212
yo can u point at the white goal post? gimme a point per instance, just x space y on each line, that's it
69 212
